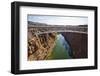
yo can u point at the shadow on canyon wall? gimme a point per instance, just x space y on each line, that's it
78 43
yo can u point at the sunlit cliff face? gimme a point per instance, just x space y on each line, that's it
40 46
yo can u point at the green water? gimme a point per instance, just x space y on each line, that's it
59 52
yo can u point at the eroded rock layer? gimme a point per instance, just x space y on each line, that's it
40 45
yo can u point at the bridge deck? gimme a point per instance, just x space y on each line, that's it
60 31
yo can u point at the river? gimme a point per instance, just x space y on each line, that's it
62 49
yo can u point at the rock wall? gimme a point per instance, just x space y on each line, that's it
40 46
78 43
